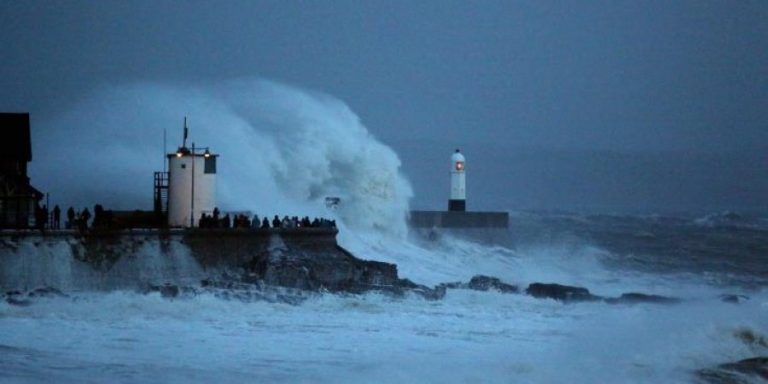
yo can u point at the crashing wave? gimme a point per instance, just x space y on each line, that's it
283 150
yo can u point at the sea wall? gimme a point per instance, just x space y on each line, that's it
455 219
484 227
307 258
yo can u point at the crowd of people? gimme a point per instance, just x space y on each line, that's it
75 219
214 220
104 219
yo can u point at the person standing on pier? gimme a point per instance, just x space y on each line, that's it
70 217
84 217
56 217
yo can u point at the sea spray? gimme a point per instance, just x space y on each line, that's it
67 263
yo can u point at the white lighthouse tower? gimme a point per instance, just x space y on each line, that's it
191 184
458 200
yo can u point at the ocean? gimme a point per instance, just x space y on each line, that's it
127 335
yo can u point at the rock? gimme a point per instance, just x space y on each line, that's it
756 366
46 292
169 291
752 339
482 283
23 299
485 283
636 298
324 270
732 298
330 268
407 286
436 293
18 302
15 298
307 259
564 293
290 299
453 285
743 371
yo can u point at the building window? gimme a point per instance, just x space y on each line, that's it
183 166
210 164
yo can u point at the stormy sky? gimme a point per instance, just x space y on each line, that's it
618 106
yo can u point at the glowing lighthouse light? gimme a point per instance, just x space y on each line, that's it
458 199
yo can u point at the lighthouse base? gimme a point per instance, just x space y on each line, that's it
457 205
441 219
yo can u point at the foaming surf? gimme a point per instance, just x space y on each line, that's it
485 336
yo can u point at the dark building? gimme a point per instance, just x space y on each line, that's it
18 198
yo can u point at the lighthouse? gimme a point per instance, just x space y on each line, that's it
457 216
191 184
458 199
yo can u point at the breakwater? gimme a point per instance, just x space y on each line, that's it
454 219
306 258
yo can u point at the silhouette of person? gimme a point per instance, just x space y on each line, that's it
56 217
276 222
98 216
265 223
84 217
70 217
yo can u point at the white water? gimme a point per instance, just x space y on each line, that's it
283 151
467 337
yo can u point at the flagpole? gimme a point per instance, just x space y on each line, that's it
186 132
165 150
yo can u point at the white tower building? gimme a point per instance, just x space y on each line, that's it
191 185
458 198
